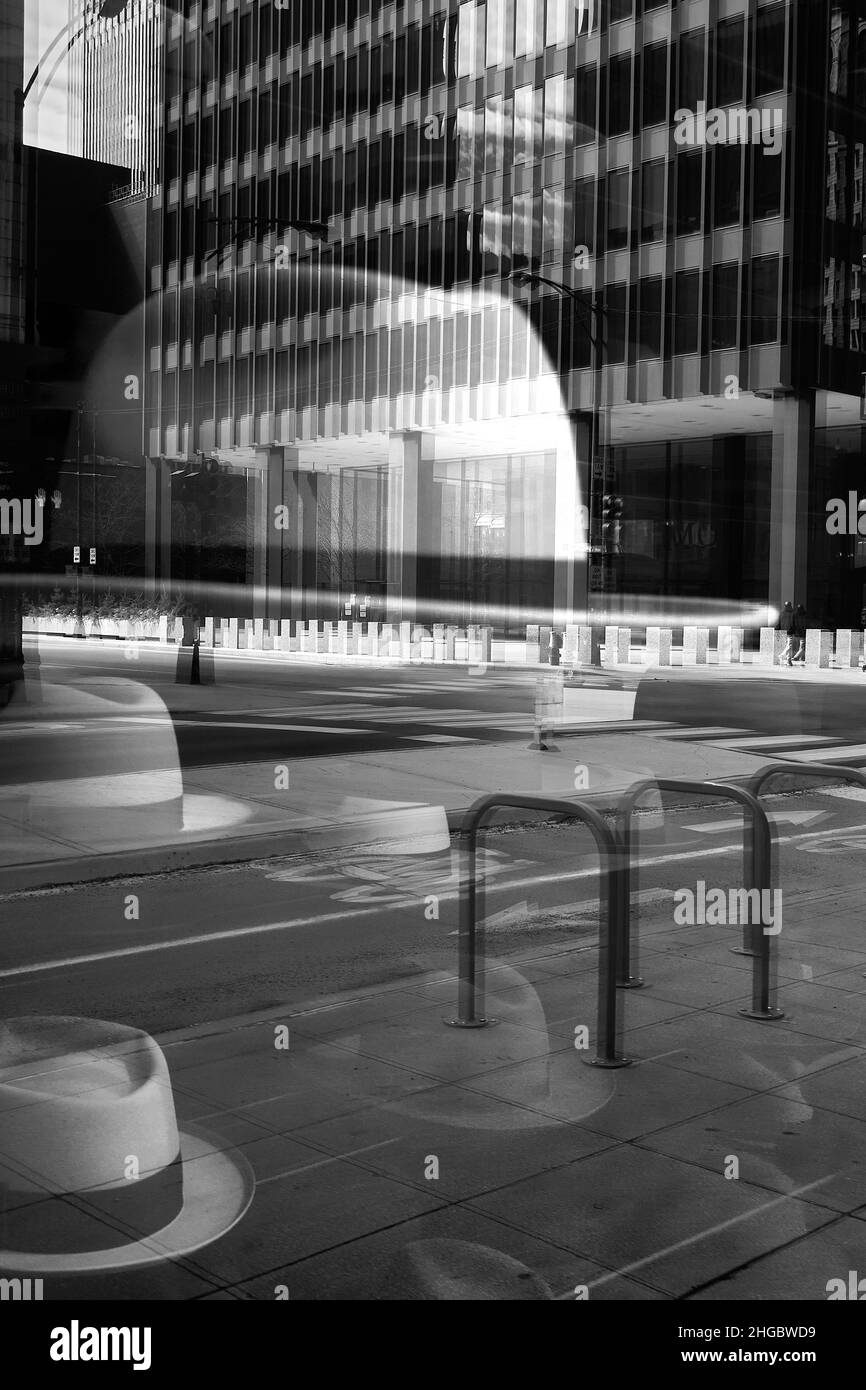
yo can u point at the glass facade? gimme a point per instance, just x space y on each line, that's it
639 162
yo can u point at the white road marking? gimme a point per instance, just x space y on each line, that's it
267 927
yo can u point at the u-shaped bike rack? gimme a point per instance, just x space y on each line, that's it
756 875
470 1006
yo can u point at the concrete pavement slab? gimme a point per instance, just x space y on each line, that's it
623 1104
811 1008
674 1224
797 1272
469 1161
837 1088
360 1271
781 1144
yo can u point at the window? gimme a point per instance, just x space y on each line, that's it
552 224
524 107
767 186
727 193
764 317
557 22
686 323
652 201
528 18
655 84
726 305
770 51
689 192
730 58
649 336
493 134
616 322
620 95
692 87
584 213
618 210
585 96
554 116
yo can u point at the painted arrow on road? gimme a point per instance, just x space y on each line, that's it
724 827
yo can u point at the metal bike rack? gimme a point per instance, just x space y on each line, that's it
756 866
470 1005
819 770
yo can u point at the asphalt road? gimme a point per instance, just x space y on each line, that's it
174 950
261 709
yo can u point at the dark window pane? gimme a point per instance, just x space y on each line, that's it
770 51
726 306
585 91
620 95
692 89
767 186
620 9
649 335
727 200
616 323
686 322
655 84
730 60
618 210
584 214
652 202
764 318
689 193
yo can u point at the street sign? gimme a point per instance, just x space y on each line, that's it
76 555
93 555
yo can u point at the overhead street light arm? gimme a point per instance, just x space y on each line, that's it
595 310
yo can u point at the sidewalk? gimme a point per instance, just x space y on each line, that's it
381 1129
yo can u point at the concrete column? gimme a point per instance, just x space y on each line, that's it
793 431
410 517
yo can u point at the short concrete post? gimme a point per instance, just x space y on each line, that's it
533 644
232 634
849 647
450 642
658 646
696 640
285 635
819 648
730 645
772 646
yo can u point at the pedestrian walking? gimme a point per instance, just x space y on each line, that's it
800 625
786 625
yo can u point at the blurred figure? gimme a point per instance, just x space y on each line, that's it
800 625
786 625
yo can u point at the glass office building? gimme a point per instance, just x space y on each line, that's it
690 174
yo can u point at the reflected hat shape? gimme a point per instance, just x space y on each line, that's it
459 1271
94 1173
103 767
542 1079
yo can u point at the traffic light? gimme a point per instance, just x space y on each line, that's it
611 522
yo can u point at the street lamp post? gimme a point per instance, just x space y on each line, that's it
593 317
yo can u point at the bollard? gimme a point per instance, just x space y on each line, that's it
658 646
819 646
696 640
617 645
570 653
772 646
257 636
438 642
451 643
533 645
729 645
849 647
